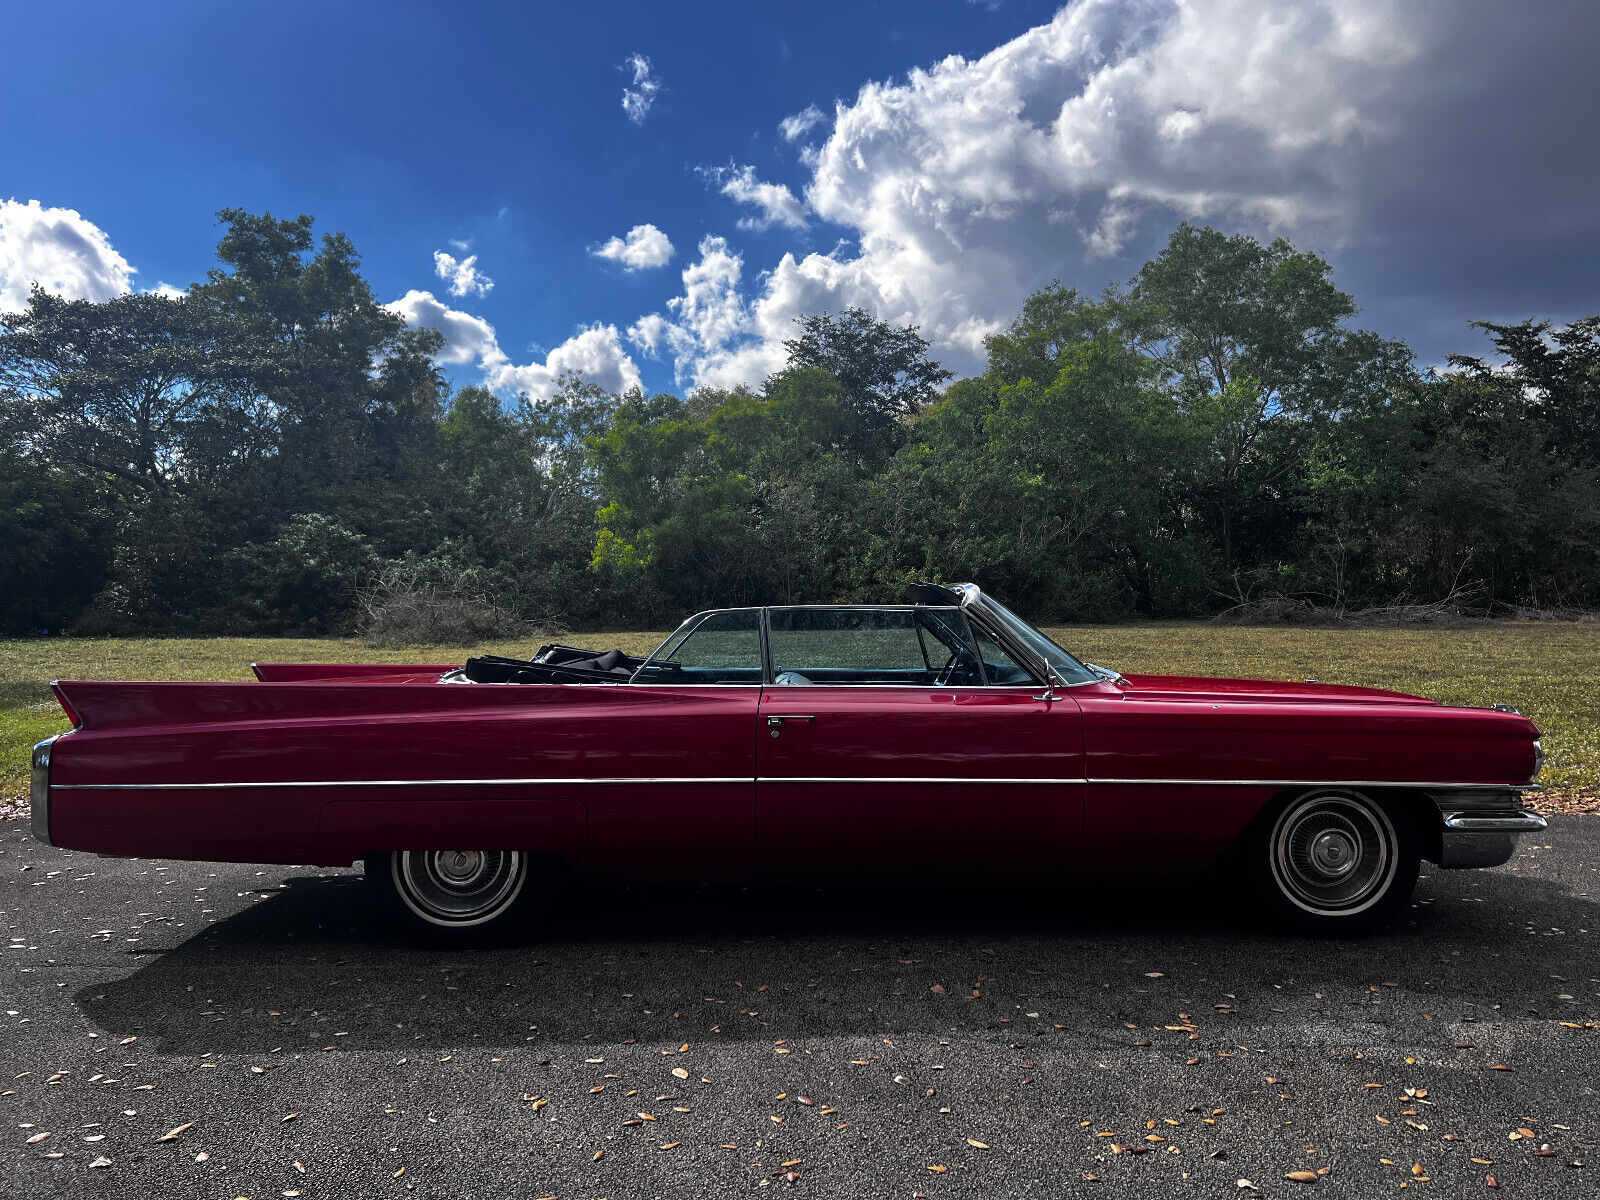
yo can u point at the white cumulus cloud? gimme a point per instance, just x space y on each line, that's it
467 339
461 274
968 185
796 125
1071 150
644 247
594 353
639 98
649 333
714 337
59 249
774 202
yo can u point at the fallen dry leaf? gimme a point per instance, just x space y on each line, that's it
172 1134
978 1144
1301 1176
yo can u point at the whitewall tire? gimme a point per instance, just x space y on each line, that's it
451 892
1334 861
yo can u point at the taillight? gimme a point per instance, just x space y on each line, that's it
66 705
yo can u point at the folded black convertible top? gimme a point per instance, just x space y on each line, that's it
554 664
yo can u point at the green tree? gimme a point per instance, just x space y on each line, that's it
1558 369
883 371
1253 340
1055 491
346 381
115 388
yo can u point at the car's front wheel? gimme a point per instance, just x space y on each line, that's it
450 892
1334 862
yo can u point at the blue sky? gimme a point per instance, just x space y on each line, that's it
1439 155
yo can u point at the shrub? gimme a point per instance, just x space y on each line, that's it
409 604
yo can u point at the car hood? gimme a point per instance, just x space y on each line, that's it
1201 687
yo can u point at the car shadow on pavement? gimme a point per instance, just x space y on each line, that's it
312 967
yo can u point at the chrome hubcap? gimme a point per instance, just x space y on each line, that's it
460 868
459 887
1334 853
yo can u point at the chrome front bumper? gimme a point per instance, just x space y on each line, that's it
1480 828
1510 821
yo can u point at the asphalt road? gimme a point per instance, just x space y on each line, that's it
1119 1041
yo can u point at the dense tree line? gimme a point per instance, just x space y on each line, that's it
275 451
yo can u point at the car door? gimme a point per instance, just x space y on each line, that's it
882 742
675 748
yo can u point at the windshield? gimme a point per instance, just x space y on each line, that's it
1065 665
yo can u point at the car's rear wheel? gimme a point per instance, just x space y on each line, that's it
1334 861
451 892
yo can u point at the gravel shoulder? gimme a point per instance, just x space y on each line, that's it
934 1038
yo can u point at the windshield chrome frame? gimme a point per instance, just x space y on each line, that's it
980 610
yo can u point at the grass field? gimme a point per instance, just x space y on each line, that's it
1550 671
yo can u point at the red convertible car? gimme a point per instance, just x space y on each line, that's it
943 734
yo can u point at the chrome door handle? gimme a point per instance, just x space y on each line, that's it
775 721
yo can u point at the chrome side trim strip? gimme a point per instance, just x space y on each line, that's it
905 779
704 779
377 783
1349 783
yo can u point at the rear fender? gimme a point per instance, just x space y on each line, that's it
557 825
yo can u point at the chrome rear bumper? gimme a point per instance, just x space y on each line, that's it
39 791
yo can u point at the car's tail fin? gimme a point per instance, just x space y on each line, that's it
98 706
312 672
